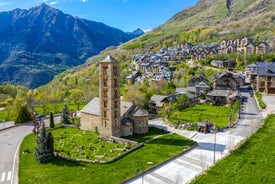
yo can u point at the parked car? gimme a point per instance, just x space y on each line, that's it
39 116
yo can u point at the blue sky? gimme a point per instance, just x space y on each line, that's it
126 15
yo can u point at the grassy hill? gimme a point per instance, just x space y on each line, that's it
207 22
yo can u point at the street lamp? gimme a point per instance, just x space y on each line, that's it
138 165
215 130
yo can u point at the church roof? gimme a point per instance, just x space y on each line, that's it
93 107
109 59
138 112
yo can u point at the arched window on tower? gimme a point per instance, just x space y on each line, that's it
115 82
115 93
105 81
105 93
104 114
115 105
104 70
115 70
105 104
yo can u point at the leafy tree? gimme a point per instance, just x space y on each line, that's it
44 149
23 116
76 95
51 120
65 116
182 102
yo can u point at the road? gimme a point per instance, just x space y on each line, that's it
211 147
183 169
10 140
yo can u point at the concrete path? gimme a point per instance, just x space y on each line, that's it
211 147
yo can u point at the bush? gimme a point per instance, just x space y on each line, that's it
23 116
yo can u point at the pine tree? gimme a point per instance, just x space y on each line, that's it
44 149
65 116
51 120
23 116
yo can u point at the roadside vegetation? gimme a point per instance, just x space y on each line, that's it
220 115
253 162
62 171
259 97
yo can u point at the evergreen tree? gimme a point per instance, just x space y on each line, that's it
23 116
44 149
51 120
65 116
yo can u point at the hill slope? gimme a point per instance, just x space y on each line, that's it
208 21
39 43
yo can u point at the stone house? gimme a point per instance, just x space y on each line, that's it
108 114
157 101
250 48
262 48
265 77
228 81
198 78
223 97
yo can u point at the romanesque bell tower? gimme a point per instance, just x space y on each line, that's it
109 94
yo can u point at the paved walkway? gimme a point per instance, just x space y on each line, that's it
186 167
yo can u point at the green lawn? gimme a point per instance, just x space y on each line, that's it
203 112
253 162
145 137
75 143
61 171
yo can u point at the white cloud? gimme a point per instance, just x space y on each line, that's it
84 1
53 3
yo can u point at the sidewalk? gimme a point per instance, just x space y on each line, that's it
186 167
211 147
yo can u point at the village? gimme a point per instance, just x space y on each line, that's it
155 66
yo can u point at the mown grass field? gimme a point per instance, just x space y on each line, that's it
62 171
202 112
253 162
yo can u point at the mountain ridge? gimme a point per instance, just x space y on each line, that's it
42 32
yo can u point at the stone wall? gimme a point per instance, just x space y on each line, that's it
140 124
89 122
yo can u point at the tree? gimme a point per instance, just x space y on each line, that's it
51 120
23 116
44 149
65 116
76 95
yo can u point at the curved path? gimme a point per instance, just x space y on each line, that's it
10 140
180 170
211 147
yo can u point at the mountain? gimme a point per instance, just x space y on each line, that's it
138 32
39 43
206 22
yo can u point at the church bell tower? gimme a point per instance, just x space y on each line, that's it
109 94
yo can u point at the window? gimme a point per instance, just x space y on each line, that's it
115 104
105 114
115 114
105 123
104 68
105 104
115 82
105 81
105 93
115 93
115 70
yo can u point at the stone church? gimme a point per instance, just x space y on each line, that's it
107 114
